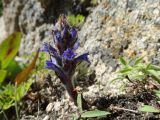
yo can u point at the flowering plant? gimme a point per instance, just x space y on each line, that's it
63 59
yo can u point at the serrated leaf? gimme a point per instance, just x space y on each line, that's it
22 89
148 108
123 61
3 74
24 74
94 113
9 48
79 102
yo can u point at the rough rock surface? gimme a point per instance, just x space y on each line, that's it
34 18
114 29
2 30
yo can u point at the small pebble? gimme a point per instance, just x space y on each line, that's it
49 107
57 106
46 118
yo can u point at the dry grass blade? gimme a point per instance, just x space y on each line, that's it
24 74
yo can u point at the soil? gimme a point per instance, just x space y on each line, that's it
122 107
125 107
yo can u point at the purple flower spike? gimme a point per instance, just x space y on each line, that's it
63 60
69 54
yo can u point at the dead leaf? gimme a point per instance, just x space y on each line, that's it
21 77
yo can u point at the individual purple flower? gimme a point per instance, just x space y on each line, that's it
69 54
75 46
83 57
57 35
73 33
45 48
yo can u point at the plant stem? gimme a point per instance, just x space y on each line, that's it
4 115
73 94
16 106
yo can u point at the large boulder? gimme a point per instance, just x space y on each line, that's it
119 28
35 18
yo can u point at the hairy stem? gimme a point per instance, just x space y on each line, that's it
73 94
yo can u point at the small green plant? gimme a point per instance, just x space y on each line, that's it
94 2
87 114
149 108
11 94
138 73
76 21
11 72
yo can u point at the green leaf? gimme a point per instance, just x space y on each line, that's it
148 108
123 61
154 67
157 92
3 74
22 89
13 69
79 102
158 95
125 70
116 79
76 20
75 117
6 96
154 75
94 113
9 48
138 60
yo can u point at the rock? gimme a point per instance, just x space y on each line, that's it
46 118
57 106
11 14
49 107
2 30
111 31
